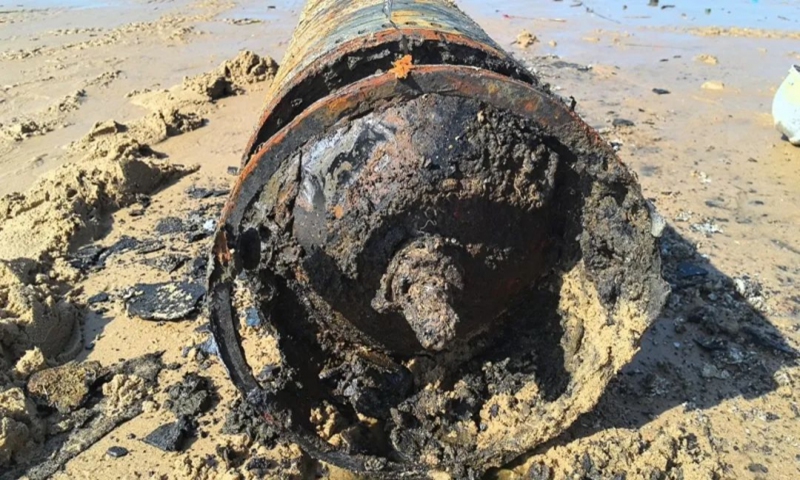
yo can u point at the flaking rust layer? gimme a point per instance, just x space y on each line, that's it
453 264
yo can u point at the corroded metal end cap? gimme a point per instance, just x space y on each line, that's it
424 282
449 252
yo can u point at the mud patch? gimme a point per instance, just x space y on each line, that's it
97 400
193 396
166 301
114 166
64 388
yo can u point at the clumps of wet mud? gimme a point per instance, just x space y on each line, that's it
243 419
193 95
187 400
20 428
110 138
46 121
67 409
250 449
711 344
238 460
35 280
113 166
620 454
116 166
38 316
193 396
232 76
77 196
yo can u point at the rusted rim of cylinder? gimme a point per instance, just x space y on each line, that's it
359 98
301 85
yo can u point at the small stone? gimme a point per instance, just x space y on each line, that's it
117 452
772 417
260 465
757 468
661 91
707 228
622 122
169 262
233 170
712 344
99 298
124 244
199 266
680 326
200 193
657 222
209 347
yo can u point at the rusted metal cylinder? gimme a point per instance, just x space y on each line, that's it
337 43
452 264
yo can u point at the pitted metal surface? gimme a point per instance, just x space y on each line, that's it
339 42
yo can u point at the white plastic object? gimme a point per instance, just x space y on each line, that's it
786 106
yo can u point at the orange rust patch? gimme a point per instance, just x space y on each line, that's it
403 67
221 248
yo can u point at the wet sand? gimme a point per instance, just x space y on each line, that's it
709 159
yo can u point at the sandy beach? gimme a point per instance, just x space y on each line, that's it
122 126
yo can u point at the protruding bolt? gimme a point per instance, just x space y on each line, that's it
423 281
